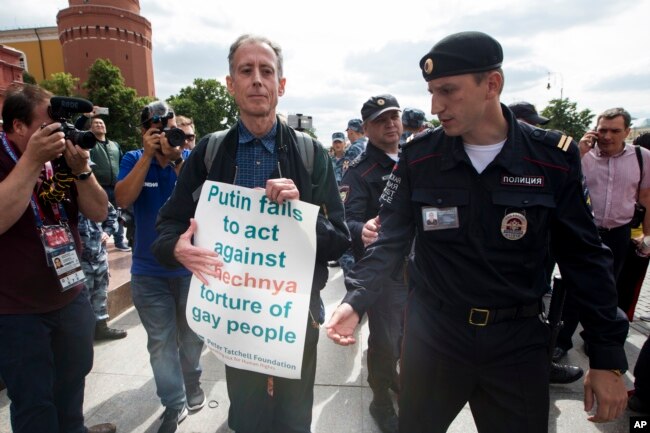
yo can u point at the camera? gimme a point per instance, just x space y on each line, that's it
159 112
299 122
175 136
61 110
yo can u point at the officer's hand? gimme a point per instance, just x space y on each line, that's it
370 231
199 261
341 326
151 142
45 144
608 391
280 190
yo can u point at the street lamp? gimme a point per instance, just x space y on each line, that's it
548 84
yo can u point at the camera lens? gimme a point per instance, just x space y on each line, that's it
175 136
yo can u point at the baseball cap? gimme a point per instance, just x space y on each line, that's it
412 117
526 111
338 136
355 125
462 53
377 105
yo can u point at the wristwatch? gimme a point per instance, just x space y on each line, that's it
83 175
618 372
176 163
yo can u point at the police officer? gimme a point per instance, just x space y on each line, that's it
412 123
360 190
497 188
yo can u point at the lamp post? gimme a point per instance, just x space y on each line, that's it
548 84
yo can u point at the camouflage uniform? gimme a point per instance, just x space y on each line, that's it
341 165
94 259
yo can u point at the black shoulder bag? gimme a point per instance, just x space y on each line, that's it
639 209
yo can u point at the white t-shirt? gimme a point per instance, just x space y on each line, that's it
482 155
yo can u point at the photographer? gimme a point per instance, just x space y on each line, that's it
146 179
46 324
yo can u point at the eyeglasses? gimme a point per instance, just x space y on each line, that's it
189 137
605 130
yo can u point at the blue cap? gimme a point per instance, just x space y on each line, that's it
412 117
338 136
355 125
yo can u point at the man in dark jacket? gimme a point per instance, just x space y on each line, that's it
361 187
260 151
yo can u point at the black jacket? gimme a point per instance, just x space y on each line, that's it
361 188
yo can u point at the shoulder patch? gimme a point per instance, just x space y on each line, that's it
344 191
356 161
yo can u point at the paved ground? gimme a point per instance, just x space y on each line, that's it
120 387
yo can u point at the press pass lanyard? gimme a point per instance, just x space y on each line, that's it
58 241
59 210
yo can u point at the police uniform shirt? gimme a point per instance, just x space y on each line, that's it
481 238
360 190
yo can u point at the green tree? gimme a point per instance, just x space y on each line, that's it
105 88
565 117
208 103
28 78
61 84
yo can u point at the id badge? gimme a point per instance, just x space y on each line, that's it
61 255
439 218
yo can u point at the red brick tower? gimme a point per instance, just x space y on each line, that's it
107 29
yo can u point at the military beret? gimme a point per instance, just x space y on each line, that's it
462 53
377 105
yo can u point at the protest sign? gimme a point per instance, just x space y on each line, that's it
254 315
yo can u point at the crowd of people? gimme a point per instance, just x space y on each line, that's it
447 237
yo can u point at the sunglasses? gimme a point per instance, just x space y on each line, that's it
189 137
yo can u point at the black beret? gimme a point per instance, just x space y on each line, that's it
462 53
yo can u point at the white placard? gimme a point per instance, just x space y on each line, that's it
254 315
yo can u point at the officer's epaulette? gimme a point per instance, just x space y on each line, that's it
360 157
551 138
414 138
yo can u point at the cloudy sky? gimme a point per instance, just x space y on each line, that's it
339 53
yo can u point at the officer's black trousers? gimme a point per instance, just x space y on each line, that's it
502 370
385 323
288 410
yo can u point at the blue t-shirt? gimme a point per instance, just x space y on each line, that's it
158 186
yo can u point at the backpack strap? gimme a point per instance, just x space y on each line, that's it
306 150
304 143
211 149
637 150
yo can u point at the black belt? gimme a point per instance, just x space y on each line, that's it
487 316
